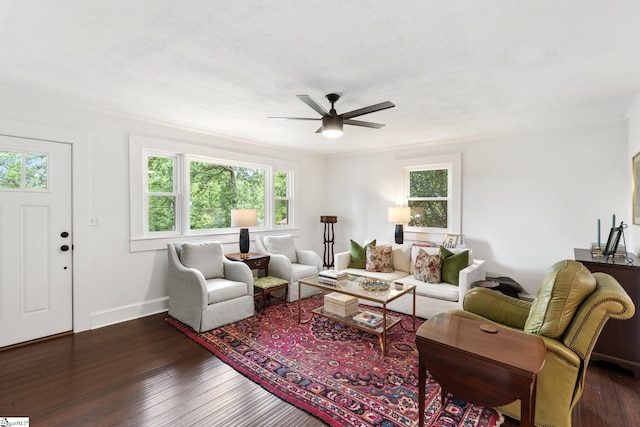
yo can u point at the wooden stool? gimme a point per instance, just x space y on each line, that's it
265 285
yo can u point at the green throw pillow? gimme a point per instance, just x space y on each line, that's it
452 264
359 254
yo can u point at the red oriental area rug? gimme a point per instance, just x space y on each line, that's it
335 372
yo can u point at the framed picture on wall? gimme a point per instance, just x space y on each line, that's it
635 184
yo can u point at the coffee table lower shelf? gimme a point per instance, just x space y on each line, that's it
379 331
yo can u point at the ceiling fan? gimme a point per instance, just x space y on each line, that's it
332 122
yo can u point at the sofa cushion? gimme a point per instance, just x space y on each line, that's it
219 290
428 267
379 259
443 291
282 245
359 254
452 263
205 257
563 289
402 257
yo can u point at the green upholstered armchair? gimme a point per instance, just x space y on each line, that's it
569 312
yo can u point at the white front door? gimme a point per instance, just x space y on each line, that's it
36 242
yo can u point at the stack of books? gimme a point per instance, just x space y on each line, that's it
331 277
368 318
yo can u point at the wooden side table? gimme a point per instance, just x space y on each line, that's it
253 260
263 286
485 368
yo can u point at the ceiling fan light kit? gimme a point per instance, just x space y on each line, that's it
331 126
332 122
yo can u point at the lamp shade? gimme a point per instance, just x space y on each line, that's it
399 214
244 217
332 126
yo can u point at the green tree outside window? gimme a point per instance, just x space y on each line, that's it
428 198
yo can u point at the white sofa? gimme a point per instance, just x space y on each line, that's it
431 298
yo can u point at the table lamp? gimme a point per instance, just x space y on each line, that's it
244 218
399 215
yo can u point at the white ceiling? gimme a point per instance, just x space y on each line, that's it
455 69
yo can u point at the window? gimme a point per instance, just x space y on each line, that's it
429 196
431 187
215 189
187 190
162 197
23 171
281 194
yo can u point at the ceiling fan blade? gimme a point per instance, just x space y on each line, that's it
363 124
313 104
369 109
295 118
319 130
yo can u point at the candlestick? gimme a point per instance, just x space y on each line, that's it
613 222
598 232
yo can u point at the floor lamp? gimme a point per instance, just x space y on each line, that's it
399 215
244 218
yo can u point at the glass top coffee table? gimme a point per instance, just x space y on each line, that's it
366 289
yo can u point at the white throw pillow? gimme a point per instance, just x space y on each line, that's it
205 257
281 245
402 257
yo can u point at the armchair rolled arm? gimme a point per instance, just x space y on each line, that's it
470 274
497 307
280 266
609 301
341 260
308 257
239 272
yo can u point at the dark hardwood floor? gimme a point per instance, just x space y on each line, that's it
145 373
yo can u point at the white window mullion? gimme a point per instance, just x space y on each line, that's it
184 194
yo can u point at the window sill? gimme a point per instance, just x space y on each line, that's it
231 239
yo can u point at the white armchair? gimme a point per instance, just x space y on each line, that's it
289 263
206 290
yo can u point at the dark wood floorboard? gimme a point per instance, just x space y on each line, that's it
146 373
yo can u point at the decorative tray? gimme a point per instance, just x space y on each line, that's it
374 285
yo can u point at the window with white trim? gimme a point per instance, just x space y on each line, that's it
186 190
161 193
429 196
282 197
431 187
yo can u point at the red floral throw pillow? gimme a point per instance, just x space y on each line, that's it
428 267
379 259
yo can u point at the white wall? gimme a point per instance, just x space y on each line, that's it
633 234
527 200
120 285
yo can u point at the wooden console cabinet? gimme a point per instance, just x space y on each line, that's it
619 341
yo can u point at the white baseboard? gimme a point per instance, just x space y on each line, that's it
115 315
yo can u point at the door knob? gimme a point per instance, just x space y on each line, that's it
64 248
